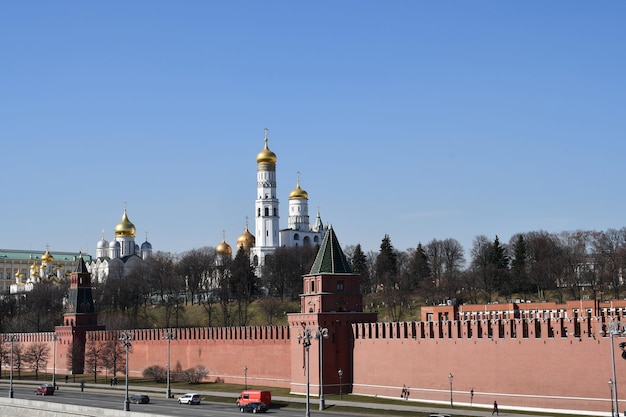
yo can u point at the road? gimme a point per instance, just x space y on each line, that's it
158 404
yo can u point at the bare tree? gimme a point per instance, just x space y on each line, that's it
546 261
36 355
19 359
93 350
479 266
194 267
576 272
113 357
282 275
609 254
446 260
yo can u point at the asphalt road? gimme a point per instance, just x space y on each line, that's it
158 405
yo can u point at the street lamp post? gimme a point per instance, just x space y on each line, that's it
12 339
612 405
245 376
340 372
614 328
125 338
321 334
169 335
54 360
450 377
305 338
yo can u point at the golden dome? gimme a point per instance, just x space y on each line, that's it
224 248
19 274
246 240
46 257
125 227
298 193
266 156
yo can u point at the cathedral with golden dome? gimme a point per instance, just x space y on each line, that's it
117 258
268 234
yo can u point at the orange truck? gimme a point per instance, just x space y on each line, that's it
252 396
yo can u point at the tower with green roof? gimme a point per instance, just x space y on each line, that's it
331 299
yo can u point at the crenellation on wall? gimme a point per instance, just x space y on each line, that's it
259 333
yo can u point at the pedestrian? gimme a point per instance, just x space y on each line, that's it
495 408
403 392
82 386
66 378
111 381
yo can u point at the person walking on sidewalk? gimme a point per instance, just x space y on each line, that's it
495 408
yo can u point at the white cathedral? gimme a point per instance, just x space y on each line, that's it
269 236
117 258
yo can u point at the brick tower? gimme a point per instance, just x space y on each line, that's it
79 318
331 300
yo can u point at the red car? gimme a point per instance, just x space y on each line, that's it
45 389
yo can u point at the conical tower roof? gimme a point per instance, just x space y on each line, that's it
81 268
330 258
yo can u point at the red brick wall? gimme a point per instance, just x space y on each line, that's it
538 371
225 352
558 372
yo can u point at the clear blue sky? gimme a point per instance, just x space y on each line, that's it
418 119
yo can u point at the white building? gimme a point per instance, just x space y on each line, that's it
116 259
20 270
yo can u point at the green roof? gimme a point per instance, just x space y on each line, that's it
330 258
27 255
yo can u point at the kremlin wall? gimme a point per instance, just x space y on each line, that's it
552 368
525 356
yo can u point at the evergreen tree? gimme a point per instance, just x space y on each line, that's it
387 278
519 267
499 266
359 266
243 285
419 268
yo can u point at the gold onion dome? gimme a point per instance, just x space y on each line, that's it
46 257
246 240
125 227
266 156
298 193
224 248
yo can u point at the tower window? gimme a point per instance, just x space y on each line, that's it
312 286
258 212
340 286
276 212
267 211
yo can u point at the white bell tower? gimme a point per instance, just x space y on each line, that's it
266 206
